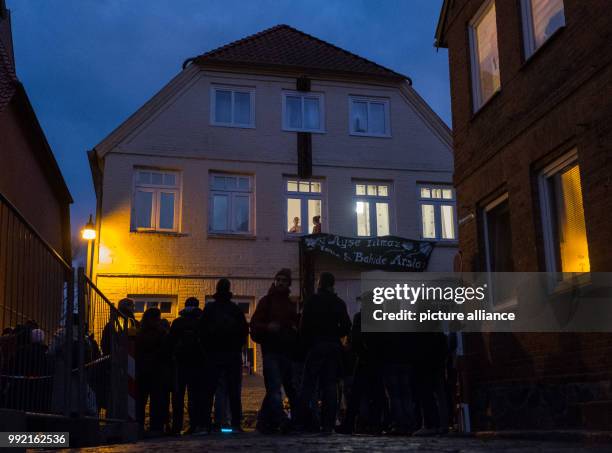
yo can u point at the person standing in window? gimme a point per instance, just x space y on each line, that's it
316 222
296 227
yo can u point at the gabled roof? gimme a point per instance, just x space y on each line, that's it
284 47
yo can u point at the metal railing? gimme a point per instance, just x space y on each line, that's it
102 355
59 354
36 294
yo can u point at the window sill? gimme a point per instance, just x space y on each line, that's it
357 134
441 243
242 237
487 103
285 129
233 126
161 233
529 58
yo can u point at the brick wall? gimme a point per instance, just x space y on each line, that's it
557 100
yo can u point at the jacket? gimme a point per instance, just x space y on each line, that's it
184 337
275 307
223 327
324 319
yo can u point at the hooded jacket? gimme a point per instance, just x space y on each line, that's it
184 339
275 307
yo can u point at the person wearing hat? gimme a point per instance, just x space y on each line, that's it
325 321
186 350
274 327
223 334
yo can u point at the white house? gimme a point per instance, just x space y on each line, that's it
202 181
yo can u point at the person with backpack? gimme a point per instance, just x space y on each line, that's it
223 333
274 326
186 350
325 321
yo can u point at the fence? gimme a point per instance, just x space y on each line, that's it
58 354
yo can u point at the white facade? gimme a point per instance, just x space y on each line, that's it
175 132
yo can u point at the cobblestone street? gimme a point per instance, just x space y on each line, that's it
253 442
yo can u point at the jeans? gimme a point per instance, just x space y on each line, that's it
154 388
322 369
432 391
228 364
278 374
188 380
398 382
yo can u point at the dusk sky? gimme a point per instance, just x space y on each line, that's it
88 64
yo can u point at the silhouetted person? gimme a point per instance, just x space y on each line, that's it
223 332
274 327
324 322
316 224
111 329
152 360
186 349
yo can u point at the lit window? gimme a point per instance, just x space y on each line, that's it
371 203
156 200
231 198
541 18
563 217
369 117
484 55
437 206
303 112
232 107
165 304
304 206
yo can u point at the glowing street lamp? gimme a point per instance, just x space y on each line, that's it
88 233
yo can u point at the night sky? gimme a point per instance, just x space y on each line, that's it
88 64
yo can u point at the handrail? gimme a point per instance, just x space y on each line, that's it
35 232
93 286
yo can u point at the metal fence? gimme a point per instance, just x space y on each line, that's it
59 354
35 296
102 355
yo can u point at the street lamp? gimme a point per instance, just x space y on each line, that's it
88 233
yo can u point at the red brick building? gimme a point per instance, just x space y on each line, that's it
30 178
531 84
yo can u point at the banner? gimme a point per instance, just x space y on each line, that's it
390 253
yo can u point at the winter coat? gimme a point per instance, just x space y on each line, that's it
223 327
152 355
184 338
324 319
275 307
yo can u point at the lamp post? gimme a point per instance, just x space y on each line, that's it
88 233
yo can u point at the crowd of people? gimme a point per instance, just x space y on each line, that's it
321 372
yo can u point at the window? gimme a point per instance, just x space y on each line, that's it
232 107
484 55
303 206
437 205
372 208
369 117
541 18
166 304
303 112
231 199
156 201
498 236
565 237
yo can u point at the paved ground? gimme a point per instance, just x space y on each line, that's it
253 442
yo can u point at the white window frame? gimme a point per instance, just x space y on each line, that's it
529 40
157 190
233 90
548 214
477 100
156 298
304 197
369 100
302 95
231 194
437 204
372 199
